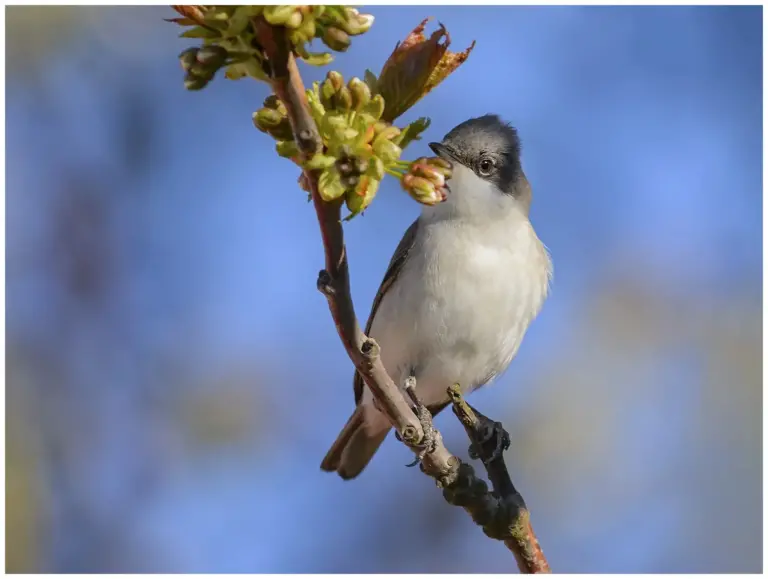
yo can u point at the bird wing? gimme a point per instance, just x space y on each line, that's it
395 267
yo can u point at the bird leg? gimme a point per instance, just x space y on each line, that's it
494 439
429 441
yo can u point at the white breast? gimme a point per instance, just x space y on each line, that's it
463 302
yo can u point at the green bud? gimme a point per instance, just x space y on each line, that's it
375 108
282 132
344 99
279 15
376 168
422 190
212 56
267 119
287 149
336 39
337 80
315 106
361 93
387 151
317 10
272 102
357 23
360 197
188 58
327 92
192 82
319 162
308 28
294 20
329 184
387 134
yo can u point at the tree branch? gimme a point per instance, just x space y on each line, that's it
502 514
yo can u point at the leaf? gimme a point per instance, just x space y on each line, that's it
200 32
415 67
194 13
371 80
412 132
181 21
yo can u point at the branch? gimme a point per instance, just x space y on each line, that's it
502 514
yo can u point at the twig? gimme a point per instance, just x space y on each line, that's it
499 517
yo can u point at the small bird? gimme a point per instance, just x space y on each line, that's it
465 282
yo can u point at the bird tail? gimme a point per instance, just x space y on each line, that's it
358 441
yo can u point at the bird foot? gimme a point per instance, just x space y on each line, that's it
494 440
429 442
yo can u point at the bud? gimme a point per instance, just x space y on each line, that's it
431 174
267 119
192 82
329 184
287 149
375 108
315 107
279 15
336 39
272 102
360 198
442 166
361 93
344 99
387 134
376 168
387 151
212 56
294 20
282 132
188 58
337 80
357 23
327 92
422 190
319 162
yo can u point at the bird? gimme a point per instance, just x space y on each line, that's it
468 277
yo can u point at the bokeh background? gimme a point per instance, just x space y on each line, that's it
174 377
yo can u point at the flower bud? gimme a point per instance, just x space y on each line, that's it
387 151
343 99
361 93
287 149
336 39
279 15
431 174
188 58
192 82
266 119
294 20
387 134
212 56
422 190
337 80
442 164
319 162
329 184
375 108
357 23
360 197
272 102
376 168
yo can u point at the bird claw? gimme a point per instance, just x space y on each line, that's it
493 434
429 442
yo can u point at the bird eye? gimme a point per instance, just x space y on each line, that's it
486 167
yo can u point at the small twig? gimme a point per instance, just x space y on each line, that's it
460 485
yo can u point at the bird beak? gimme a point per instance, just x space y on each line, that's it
442 151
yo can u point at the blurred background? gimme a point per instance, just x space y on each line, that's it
174 378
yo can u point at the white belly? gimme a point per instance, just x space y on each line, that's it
462 304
